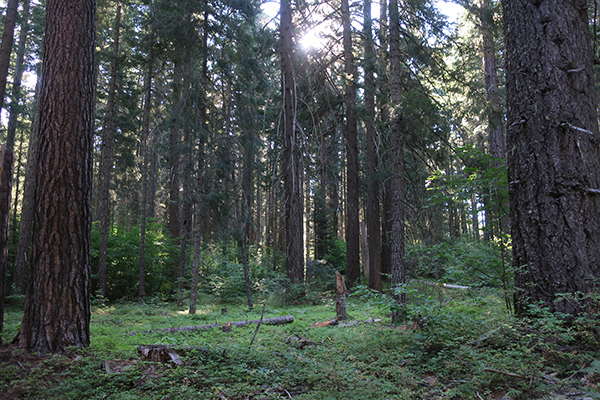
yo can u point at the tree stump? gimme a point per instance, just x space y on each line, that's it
340 304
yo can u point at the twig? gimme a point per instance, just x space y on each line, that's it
511 374
258 325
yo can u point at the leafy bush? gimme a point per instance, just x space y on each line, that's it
473 263
123 262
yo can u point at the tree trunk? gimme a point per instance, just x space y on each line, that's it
553 158
397 154
145 149
352 209
107 158
294 239
200 172
25 234
6 164
8 37
174 149
57 308
373 214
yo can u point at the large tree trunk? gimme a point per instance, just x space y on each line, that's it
57 308
107 158
397 154
373 214
294 248
553 157
352 194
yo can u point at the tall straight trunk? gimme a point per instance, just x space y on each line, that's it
25 233
352 194
145 149
397 154
107 157
373 214
174 150
57 308
8 37
383 101
200 169
16 204
553 157
246 217
294 238
18 76
14 113
6 164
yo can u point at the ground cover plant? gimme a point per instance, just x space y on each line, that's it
455 344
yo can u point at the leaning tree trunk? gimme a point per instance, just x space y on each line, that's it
553 154
294 249
352 209
57 308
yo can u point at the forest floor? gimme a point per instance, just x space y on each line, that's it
457 344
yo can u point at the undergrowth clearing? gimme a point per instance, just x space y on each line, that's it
455 344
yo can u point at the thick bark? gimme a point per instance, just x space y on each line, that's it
397 154
6 165
553 157
8 37
107 157
57 308
373 214
352 209
294 248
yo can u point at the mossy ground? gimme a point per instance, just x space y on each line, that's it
455 345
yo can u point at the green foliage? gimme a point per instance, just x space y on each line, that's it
123 252
448 348
463 262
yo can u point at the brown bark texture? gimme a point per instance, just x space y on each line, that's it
8 37
396 216
57 308
373 214
294 249
553 154
352 194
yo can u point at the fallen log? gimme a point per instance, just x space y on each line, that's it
285 319
447 285
335 322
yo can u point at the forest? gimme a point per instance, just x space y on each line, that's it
249 199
